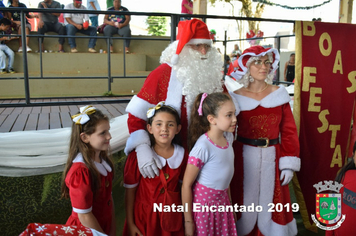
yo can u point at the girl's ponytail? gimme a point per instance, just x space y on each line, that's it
199 124
203 106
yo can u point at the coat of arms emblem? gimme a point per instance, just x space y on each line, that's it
328 205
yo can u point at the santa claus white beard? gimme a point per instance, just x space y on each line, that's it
199 73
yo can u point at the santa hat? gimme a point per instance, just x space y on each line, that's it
255 51
191 32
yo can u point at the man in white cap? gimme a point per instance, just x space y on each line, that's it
189 66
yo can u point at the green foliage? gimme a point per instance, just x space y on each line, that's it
156 25
292 7
213 1
31 199
248 11
37 198
109 94
49 182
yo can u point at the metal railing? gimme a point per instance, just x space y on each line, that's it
174 21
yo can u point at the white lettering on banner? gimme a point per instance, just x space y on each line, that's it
197 207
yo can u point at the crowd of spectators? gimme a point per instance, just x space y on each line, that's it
67 23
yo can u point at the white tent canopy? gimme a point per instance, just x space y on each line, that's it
27 153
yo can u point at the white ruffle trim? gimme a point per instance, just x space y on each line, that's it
136 138
235 103
289 162
82 211
274 99
139 107
174 92
130 185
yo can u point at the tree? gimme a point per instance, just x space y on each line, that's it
156 25
248 12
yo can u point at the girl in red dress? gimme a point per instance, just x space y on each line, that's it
89 172
145 196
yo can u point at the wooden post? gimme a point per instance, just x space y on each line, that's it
200 7
345 14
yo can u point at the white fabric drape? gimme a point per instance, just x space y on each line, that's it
27 153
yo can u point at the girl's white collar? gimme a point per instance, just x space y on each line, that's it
102 167
175 160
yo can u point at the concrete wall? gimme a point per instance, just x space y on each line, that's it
144 58
57 64
144 54
70 87
151 47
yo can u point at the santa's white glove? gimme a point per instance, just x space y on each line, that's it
148 162
287 175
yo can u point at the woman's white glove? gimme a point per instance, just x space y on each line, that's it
148 162
287 175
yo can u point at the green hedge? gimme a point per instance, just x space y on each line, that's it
25 200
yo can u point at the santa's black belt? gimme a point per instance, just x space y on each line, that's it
261 142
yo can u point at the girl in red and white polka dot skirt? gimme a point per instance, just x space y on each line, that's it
210 167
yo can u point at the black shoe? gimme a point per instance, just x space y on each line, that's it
3 71
11 71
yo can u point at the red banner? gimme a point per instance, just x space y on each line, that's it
323 104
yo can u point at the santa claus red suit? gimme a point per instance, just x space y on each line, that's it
188 67
266 149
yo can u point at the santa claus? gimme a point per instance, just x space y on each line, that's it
189 66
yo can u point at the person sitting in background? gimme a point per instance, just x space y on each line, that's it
79 23
16 19
118 24
5 51
6 14
49 22
93 5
